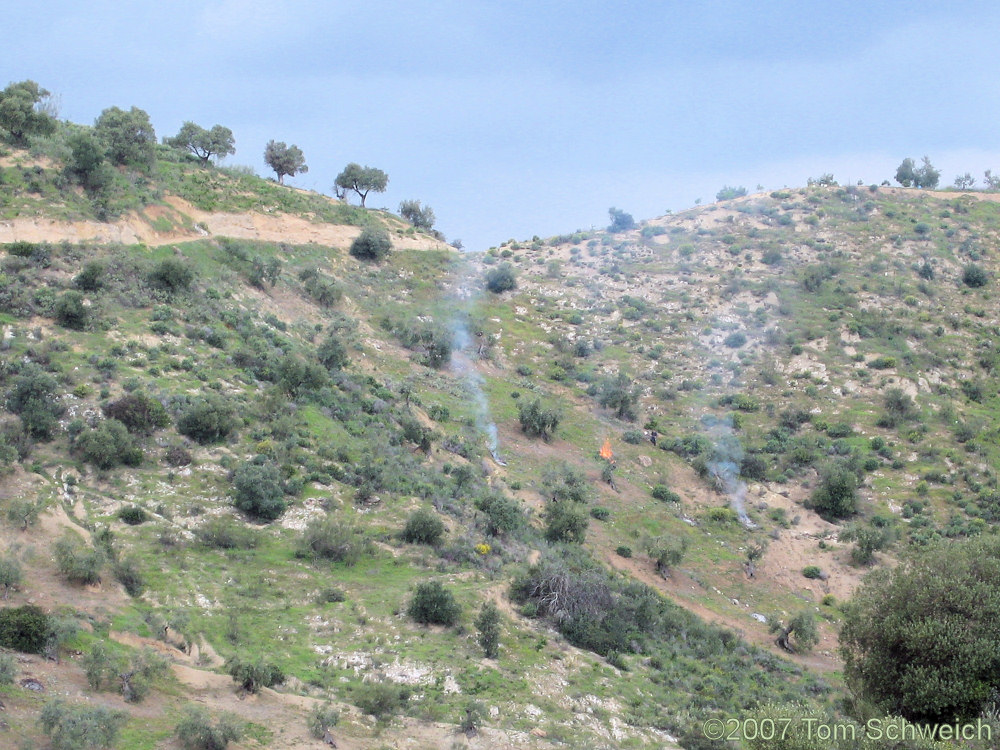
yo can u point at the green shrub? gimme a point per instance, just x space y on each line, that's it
537 420
225 533
91 278
812 571
33 398
501 279
632 437
78 562
207 420
423 527
138 412
127 573
488 625
975 276
664 493
133 515
25 629
70 312
372 244
565 522
196 731
502 515
599 513
108 445
321 718
836 495
257 490
433 604
80 727
171 275
735 340
332 539
623 551
381 699
250 675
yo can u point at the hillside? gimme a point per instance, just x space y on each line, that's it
215 343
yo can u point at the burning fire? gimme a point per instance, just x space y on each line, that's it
606 453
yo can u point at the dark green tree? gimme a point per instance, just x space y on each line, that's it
87 163
538 420
284 160
422 217
204 144
252 674
108 445
71 312
836 496
620 220
906 173
257 490
926 176
501 279
620 394
128 137
207 419
728 192
503 515
22 113
372 244
33 397
922 640
488 625
433 604
423 527
362 180
565 521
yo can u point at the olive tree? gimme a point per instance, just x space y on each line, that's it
22 112
128 137
203 143
284 160
362 180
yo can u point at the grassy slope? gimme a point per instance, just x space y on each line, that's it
689 287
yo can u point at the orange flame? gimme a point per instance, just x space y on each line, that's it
606 453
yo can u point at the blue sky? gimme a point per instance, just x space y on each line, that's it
519 118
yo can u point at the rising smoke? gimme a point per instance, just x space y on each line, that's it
724 465
463 344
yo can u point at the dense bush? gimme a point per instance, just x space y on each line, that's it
33 398
502 515
488 625
71 312
253 674
80 727
138 412
257 490
372 244
433 604
664 493
133 515
321 718
381 699
501 279
91 278
537 420
79 562
108 445
207 419
171 275
565 522
836 495
920 639
423 527
25 629
619 394
330 538
332 353
975 276
196 731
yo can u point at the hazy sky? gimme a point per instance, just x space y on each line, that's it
516 118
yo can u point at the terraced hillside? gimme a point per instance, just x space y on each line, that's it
232 442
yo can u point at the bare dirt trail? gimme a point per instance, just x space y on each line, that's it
188 223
